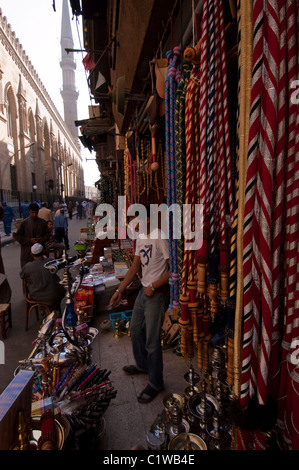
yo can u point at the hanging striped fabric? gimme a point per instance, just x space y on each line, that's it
291 234
278 209
269 106
251 178
271 220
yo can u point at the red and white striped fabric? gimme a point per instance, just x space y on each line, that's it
271 220
265 186
249 357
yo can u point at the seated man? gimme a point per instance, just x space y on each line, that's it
42 285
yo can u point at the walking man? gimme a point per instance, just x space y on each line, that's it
61 229
8 217
24 209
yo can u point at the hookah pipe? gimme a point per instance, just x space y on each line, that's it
193 307
184 321
69 316
154 164
44 331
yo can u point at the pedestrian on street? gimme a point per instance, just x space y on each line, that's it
42 284
24 209
31 230
70 209
8 217
89 207
61 229
152 255
79 210
56 206
52 243
45 213
84 204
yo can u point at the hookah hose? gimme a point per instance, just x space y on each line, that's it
180 151
171 80
187 277
70 312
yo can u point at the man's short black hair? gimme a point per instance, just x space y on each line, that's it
33 207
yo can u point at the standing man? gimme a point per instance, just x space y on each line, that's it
61 229
31 230
152 301
56 206
52 243
8 217
84 204
79 210
70 209
89 209
45 213
24 209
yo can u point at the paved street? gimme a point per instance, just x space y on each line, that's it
126 420
18 344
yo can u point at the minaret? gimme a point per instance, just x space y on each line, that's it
68 65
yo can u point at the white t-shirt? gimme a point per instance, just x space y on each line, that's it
154 254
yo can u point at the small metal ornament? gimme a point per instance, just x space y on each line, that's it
118 328
217 360
187 441
191 376
178 424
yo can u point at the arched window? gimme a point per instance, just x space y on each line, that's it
9 120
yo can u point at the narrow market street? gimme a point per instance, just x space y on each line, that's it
126 422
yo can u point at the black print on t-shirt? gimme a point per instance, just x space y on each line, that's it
146 255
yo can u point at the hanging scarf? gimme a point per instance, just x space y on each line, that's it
271 205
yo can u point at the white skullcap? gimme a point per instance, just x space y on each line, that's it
36 249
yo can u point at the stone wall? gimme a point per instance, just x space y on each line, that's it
36 147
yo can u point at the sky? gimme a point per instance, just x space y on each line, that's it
38 28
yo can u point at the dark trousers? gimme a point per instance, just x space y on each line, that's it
61 236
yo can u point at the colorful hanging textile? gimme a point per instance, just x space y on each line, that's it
208 181
215 167
171 82
271 218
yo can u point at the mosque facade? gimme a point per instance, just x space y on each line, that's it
40 156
